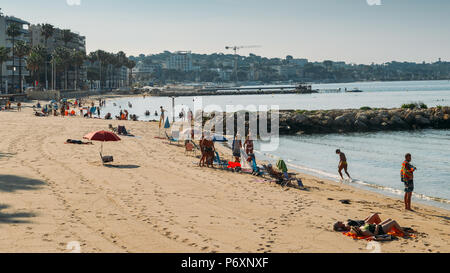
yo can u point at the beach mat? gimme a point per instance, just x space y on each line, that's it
394 233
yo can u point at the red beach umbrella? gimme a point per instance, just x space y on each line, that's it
103 136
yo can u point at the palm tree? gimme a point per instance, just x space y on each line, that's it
47 31
111 61
130 64
78 58
13 31
92 58
61 56
102 57
66 36
35 60
22 49
121 59
4 56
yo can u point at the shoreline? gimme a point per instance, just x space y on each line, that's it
54 193
382 190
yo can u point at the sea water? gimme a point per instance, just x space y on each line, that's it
374 158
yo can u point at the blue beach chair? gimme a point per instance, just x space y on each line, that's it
172 139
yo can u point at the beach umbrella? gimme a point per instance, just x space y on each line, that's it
103 136
167 124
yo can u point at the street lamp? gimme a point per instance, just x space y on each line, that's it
12 82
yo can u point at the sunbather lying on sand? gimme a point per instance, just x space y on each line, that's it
71 141
274 173
371 226
283 178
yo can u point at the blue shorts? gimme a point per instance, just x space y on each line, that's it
409 186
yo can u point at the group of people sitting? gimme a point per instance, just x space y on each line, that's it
8 106
246 153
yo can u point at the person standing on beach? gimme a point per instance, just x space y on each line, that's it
343 165
237 146
248 146
189 116
162 116
407 176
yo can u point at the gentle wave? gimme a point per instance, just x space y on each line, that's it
356 181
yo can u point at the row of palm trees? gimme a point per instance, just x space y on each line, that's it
109 66
62 59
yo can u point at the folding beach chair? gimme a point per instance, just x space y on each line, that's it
256 170
171 139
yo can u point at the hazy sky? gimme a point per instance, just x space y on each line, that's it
340 30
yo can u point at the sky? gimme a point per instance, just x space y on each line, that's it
354 31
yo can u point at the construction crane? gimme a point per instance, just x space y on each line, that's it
235 49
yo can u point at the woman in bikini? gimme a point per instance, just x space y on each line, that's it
209 151
371 226
343 165
248 145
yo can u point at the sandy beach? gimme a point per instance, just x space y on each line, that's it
155 199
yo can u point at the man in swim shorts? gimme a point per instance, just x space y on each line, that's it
343 165
407 176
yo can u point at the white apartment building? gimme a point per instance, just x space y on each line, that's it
78 43
180 60
12 66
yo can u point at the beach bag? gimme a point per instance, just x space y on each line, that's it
107 159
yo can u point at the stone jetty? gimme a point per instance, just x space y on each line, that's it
360 120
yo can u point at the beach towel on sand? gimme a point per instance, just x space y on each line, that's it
394 233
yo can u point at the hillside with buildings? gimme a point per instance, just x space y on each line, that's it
45 57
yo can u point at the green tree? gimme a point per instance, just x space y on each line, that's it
120 62
22 49
102 57
130 64
4 56
78 59
61 56
13 31
47 31
67 36
35 60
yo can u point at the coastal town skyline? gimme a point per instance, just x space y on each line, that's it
277 38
